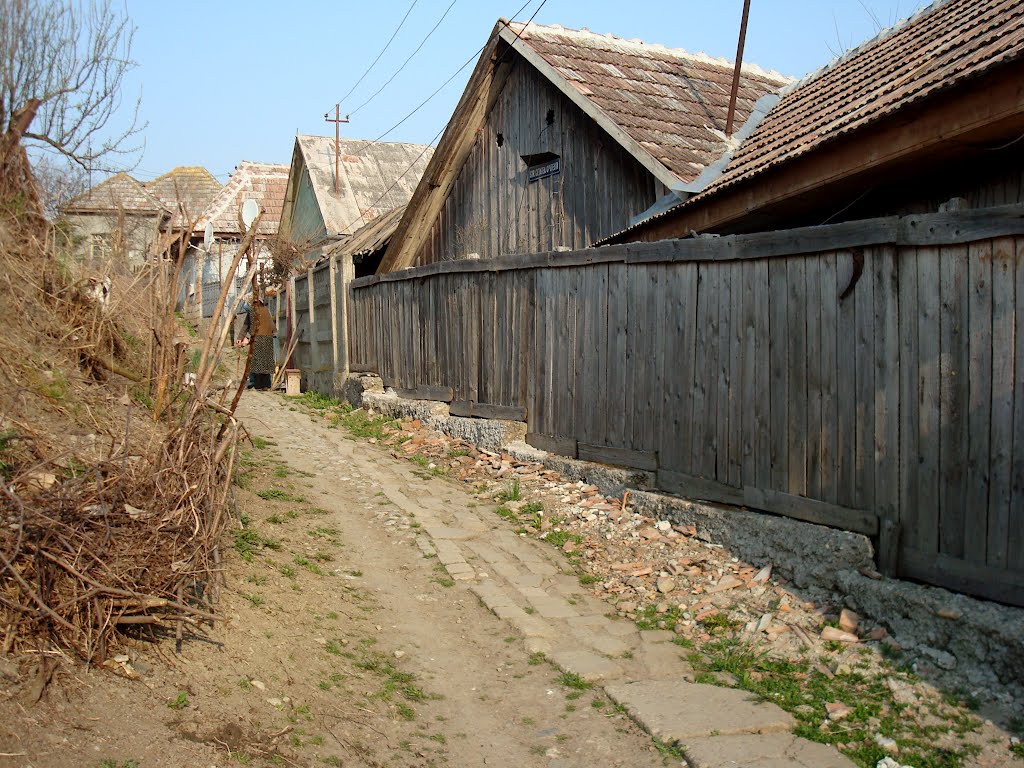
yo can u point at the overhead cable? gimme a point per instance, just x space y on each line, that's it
382 52
406 62
432 95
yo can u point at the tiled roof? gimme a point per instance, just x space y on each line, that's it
369 238
940 47
375 177
263 182
191 185
119 192
673 103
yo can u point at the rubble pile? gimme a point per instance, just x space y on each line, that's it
661 575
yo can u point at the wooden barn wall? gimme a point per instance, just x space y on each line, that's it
869 382
493 210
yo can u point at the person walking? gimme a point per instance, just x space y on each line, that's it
259 331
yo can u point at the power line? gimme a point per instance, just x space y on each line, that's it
382 52
465 64
406 62
438 90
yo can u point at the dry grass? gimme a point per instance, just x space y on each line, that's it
116 477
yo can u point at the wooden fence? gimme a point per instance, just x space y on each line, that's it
867 375
318 319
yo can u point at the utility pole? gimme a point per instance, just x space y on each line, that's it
736 72
337 120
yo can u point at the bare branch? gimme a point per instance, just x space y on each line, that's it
72 56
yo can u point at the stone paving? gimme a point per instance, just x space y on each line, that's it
535 590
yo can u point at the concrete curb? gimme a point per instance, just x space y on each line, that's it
487 434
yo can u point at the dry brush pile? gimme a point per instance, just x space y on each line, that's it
115 477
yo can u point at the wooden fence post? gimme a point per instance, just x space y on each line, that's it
314 344
332 273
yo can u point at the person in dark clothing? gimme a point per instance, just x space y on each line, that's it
259 330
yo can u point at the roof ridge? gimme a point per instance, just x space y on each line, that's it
750 68
363 141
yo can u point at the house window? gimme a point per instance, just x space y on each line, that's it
100 246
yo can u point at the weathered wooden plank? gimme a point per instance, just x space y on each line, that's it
812 511
960 227
778 374
563 446
536 354
796 337
919 229
828 317
737 405
953 399
692 487
623 457
1001 438
502 412
424 392
846 381
978 375
599 351
1015 539
762 376
572 317
528 307
864 355
468 409
926 532
751 316
910 407
887 392
618 362
664 369
1004 585
813 299
637 358
703 433
676 339
474 339
722 373
584 385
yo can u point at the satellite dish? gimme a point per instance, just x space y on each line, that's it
208 235
250 210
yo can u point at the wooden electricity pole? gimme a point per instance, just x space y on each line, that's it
337 120
736 73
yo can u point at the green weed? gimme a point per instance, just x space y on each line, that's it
574 681
513 492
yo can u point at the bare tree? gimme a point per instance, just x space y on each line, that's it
58 182
62 67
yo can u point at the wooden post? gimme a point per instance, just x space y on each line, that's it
347 274
736 71
292 325
337 120
314 344
333 277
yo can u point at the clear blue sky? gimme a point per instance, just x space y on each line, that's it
225 80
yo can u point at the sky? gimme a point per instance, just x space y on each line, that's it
225 80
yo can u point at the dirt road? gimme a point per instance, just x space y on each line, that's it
345 642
